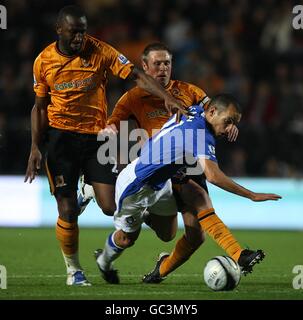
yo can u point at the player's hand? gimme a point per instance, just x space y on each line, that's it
33 165
110 129
173 105
257 197
232 132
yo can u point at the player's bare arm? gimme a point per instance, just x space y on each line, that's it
217 177
148 83
39 123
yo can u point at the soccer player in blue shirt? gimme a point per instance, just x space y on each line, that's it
145 185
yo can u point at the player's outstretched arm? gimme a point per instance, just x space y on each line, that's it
217 177
148 83
39 123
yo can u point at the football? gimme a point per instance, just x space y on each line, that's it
222 273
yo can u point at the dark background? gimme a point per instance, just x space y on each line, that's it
247 48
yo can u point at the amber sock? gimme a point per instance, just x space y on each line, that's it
182 251
215 227
68 235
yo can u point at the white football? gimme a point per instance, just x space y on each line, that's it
222 273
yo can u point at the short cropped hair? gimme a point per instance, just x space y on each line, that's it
155 46
72 10
223 100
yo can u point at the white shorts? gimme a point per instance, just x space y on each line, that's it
130 216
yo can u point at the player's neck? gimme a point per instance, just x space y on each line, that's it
63 50
208 123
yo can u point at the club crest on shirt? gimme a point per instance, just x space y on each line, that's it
175 92
212 150
85 63
130 220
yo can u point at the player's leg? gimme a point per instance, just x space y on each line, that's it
186 245
163 214
189 242
63 166
208 219
102 178
127 221
192 199
102 193
215 227
105 197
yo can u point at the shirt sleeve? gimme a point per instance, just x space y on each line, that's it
199 95
204 144
208 149
122 111
119 65
41 88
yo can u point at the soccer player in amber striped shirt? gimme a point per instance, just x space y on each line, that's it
70 77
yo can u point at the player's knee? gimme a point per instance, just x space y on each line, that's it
126 243
166 237
124 240
68 210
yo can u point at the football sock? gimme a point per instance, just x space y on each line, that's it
68 235
110 253
214 226
182 251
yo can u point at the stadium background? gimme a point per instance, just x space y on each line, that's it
246 48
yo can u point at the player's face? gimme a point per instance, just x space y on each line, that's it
220 120
71 34
158 65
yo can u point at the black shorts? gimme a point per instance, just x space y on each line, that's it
70 154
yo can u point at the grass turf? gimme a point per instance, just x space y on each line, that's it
35 268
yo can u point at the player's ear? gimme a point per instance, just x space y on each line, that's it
144 65
211 110
58 28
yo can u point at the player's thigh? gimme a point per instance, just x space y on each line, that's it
63 166
164 214
99 166
194 197
129 216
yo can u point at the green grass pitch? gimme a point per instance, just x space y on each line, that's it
35 268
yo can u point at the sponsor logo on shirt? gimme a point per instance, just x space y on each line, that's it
84 84
123 59
156 113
